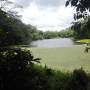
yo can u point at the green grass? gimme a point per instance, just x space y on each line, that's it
84 41
67 59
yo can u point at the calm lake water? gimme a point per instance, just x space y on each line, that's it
51 43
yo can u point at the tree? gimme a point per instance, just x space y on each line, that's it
13 31
82 11
15 63
82 7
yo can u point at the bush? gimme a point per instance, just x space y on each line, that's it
13 64
78 80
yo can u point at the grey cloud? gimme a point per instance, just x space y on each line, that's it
41 3
50 3
23 3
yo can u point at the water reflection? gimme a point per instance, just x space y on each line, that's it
51 43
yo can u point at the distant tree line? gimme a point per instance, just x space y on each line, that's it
52 34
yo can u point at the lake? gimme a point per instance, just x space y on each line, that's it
52 43
67 58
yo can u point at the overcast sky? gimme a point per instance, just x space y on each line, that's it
46 14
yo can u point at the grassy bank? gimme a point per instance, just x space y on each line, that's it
67 58
84 41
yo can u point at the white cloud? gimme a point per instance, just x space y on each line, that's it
49 18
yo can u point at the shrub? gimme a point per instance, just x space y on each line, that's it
78 80
13 64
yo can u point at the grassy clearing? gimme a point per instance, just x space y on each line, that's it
84 41
67 58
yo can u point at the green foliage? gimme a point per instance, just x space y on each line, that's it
82 7
16 58
14 63
66 33
81 29
50 34
39 35
78 81
85 28
13 31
